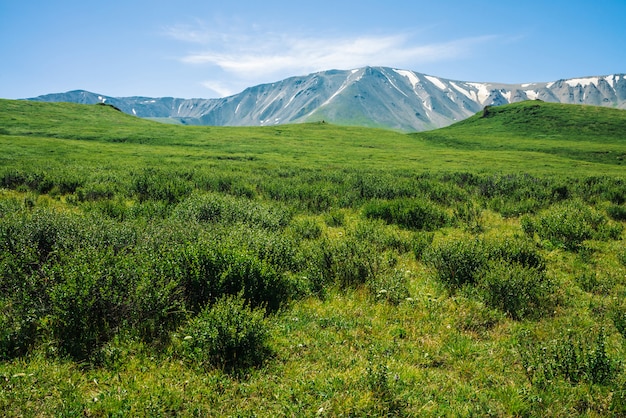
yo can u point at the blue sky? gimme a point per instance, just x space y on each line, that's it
187 48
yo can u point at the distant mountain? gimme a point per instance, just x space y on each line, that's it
370 96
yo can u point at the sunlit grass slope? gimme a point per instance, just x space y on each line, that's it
586 133
527 136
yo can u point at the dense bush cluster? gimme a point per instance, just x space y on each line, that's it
507 274
161 251
73 282
569 224
416 214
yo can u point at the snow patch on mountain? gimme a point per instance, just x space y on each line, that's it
531 94
574 82
436 82
469 94
483 91
413 79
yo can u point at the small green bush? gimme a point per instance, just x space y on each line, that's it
617 212
228 335
18 329
276 248
335 218
154 184
209 271
217 208
306 228
347 262
351 262
383 237
420 242
569 224
87 302
507 274
593 282
518 291
575 357
257 282
509 208
415 214
515 250
457 262
469 214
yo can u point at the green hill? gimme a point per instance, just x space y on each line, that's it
585 133
312 270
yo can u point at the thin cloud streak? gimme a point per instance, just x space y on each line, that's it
221 89
270 56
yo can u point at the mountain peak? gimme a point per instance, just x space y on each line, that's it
371 96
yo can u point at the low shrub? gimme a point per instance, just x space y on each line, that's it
167 186
416 214
591 281
383 237
335 218
619 320
575 357
509 208
518 291
347 262
457 262
18 329
351 262
26 181
228 335
278 249
470 215
568 224
217 208
515 250
9 206
96 191
211 270
306 228
88 301
257 282
617 212
420 242
507 274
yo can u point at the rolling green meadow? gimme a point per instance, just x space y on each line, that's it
149 269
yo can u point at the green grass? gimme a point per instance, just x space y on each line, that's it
149 269
585 133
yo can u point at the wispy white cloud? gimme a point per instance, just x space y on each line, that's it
255 56
220 88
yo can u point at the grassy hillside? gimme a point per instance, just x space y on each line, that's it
312 270
586 133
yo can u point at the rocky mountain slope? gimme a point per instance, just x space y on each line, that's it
370 96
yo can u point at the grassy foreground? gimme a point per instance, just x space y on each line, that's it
312 270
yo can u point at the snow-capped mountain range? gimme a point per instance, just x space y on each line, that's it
369 96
